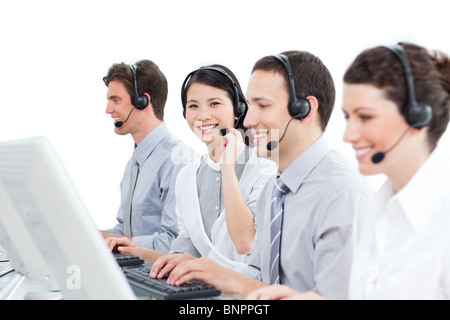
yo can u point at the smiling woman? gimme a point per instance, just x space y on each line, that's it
208 110
64 48
218 195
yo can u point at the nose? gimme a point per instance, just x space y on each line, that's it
250 119
351 133
109 108
203 114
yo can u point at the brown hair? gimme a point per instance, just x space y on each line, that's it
431 72
150 80
311 78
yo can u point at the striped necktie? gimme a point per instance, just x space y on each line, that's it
277 208
128 206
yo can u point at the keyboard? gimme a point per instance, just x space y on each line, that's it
158 288
127 260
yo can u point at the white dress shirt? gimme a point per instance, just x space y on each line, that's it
407 255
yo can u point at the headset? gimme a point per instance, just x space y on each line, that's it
299 107
139 101
418 113
239 107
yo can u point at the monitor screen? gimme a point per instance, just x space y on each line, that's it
45 229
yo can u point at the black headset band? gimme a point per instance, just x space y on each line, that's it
418 114
133 71
399 51
236 101
140 101
287 66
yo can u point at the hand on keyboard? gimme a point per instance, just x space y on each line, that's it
166 263
158 288
124 245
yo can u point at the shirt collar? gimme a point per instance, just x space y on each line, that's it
294 175
213 165
240 162
422 190
148 144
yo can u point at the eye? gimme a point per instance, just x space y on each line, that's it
346 116
214 104
365 117
191 106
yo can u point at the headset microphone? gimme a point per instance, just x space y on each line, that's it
273 144
378 157
118 124
224 132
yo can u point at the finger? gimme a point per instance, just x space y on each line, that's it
235 132
166 269
157 265
162 266
186 278
110 242
128 250
184 272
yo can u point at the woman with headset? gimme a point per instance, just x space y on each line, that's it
396 101
215 198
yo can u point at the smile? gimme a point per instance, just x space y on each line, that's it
361 153
207 128
257 137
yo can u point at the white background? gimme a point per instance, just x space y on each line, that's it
54 55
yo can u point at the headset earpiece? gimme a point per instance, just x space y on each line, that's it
299 107
418 113
139 101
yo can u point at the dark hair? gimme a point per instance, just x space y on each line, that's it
431 72
311 78
150 80
219 80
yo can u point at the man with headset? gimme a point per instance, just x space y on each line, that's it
136 98
309 216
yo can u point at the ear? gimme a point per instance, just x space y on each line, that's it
417 132
149 106
148 97
314 103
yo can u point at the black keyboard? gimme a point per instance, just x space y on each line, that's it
159 289
127 260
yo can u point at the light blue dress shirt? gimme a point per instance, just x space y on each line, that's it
324 209
153 221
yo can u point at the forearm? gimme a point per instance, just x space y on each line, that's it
150 255
239 218
241 286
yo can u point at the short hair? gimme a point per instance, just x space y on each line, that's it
150 80
311 78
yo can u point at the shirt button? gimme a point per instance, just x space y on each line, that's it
217 208
217 178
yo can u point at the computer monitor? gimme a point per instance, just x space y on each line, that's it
47 232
